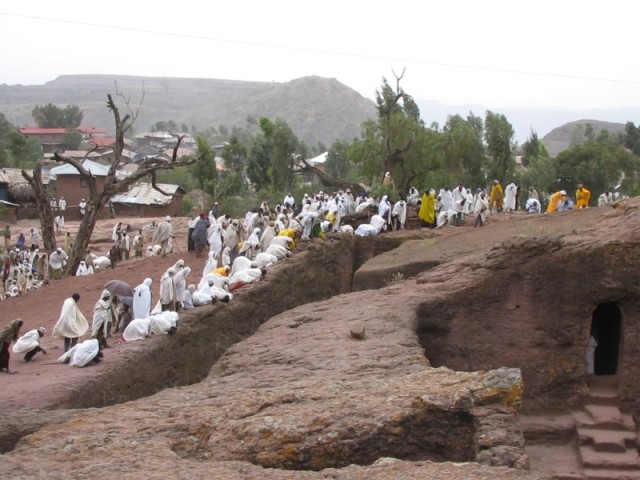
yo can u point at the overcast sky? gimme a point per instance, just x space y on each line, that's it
500 54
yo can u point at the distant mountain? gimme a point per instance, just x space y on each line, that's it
317 109
560 138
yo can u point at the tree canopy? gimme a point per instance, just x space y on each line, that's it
52 116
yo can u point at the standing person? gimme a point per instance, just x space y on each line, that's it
427 212
68 243
102 316
83 208
510 197
62 205
29 343
215 210
53 204
142 299
582 197
72 324
8 334
199 234
480 209
59 223
162 235
496 197
138 244
192 225
168 296
35 238
6 233
533 193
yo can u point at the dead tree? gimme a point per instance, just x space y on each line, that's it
301 166
112 185
43 206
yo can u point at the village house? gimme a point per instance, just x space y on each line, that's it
144 201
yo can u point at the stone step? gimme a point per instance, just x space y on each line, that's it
603 395
593 459
603 416
607 440
547 429
610 474
605 381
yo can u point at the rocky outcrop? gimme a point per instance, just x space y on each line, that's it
445 360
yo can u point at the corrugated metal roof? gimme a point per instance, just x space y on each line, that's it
96 169
145 194
13 176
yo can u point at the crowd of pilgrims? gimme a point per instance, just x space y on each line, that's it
238 251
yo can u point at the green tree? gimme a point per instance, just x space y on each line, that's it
463 150
600 167
24 151
232 177
337 163
72 140
631 137
533 148
498 135
204 170
51 116
283 146
259 163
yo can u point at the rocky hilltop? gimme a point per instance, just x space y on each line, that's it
407 355
318 109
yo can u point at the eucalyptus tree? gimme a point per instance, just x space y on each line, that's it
498 136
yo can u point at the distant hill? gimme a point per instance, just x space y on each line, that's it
317 109
560 138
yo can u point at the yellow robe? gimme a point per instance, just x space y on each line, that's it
427 212
497 195
582 198
553 202
291 233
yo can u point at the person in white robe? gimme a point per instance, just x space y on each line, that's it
187 297
384 209
162 235
241 263
374 227
232 236
163 323
103 315
251 246
265 259
533 206
29 343
168 297
268 235
399 215
278 251
446 197
413 196
215 292
480 209
225 259
138 329
181 283
83 269
82 354
215 239
468 205
72 324
509 204
589 356
244 277
282 240
142 299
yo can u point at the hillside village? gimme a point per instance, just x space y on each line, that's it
97 153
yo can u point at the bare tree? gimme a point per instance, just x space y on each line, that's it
302 166
113 185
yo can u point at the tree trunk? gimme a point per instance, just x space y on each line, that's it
44 209
81 243
328 181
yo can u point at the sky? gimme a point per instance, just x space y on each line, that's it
501 54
